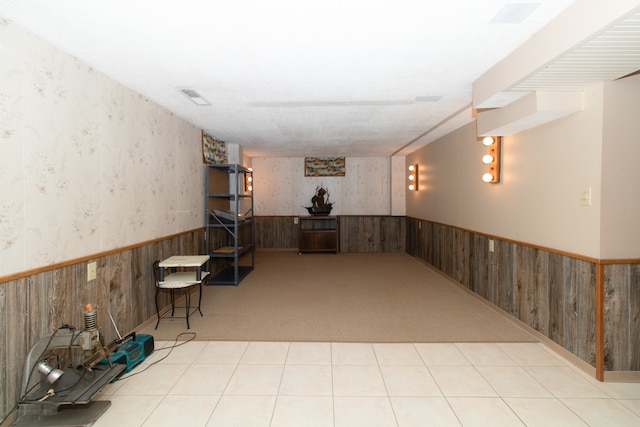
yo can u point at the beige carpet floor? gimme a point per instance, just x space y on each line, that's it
348 297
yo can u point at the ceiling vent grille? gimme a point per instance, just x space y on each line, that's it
613 54
195 97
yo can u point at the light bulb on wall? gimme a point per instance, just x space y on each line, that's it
492 159
413 177
487 141
248 180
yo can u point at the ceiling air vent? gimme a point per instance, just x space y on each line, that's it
514 13
195 97
428 98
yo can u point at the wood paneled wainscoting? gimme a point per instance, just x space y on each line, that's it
589 307
358 233
33 304
276 232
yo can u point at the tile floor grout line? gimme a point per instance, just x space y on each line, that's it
333 393
222 394
572 411
284 367
386 387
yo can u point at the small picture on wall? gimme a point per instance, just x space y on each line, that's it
213 150
324 166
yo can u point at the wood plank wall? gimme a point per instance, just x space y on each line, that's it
34 306
622 317
553 293
276 232
372 233
358 233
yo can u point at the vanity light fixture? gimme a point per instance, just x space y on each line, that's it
248 180
492 159
413 177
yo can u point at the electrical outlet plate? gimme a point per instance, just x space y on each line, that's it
91 271
585 197
295 220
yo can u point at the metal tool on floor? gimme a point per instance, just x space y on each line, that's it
56 390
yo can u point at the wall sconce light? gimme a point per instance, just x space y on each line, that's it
492 159
413 177
248 180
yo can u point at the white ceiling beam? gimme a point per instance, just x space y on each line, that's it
576 24
528 112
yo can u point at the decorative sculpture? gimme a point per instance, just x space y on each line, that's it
319 205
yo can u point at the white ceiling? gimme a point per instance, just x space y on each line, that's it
292 78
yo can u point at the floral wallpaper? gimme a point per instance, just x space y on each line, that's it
87 164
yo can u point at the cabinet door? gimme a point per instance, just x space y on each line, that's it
318 241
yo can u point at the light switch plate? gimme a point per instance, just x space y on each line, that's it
91 271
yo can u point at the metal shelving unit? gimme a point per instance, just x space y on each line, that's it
229 228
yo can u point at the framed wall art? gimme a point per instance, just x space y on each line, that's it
324 166
213 150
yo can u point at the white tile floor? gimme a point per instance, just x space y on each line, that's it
343 384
